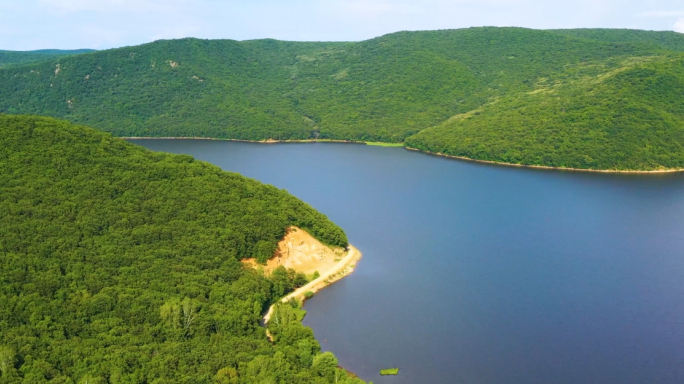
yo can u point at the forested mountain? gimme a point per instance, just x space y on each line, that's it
384 89
629 118
8 58
121 265
666 39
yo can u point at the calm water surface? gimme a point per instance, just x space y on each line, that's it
486 274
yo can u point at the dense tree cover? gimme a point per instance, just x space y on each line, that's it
8 58
187 87
666 39
384 89
629 118
121 265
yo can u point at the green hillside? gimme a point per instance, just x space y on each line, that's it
8 58
386 89
121 265
630 118
666 39
383 89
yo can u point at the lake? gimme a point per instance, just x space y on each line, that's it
476 273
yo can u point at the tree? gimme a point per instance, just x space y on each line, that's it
325 364
228 375
7 361
306 351
170 313
189 308
281 281
90 379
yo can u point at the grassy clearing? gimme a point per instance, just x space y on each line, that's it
381 144
390 371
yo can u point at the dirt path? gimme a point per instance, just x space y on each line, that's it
342 268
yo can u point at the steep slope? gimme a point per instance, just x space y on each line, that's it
8 58
384 89
123 265
628 118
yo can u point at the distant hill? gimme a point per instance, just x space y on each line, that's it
120 264
630 118
384 89
8 58
666 39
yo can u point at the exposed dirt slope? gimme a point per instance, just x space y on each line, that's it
303 253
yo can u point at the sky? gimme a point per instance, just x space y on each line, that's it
101 24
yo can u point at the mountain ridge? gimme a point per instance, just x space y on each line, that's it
387 89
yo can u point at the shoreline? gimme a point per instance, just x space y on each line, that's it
546 167
344 268
271 141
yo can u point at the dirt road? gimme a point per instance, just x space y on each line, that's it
343 268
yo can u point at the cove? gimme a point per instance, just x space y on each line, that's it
476 273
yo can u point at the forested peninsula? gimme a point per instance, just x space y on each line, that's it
601 99
122 265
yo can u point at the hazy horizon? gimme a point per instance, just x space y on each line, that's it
266 38
103 24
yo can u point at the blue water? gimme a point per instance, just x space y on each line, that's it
486 274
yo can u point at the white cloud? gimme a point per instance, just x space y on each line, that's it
679 25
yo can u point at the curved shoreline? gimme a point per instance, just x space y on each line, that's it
343 268
659 171
271 141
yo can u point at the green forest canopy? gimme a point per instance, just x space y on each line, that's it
122 265
8 58
388 89
630 118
